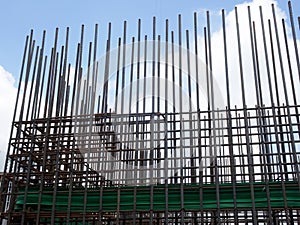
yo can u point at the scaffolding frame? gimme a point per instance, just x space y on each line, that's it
93 149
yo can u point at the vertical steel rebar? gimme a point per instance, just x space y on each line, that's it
229 120
249 154
153 158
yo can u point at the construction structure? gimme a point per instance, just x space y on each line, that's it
149 133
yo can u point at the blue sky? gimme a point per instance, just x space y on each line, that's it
18 18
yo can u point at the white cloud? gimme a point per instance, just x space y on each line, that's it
7 101
8 90
218 60
232 52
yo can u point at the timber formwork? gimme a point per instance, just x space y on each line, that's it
131 142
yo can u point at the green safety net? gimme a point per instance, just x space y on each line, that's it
141 201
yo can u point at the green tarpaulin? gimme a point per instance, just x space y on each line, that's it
109 200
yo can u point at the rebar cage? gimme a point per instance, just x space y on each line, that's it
149 133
